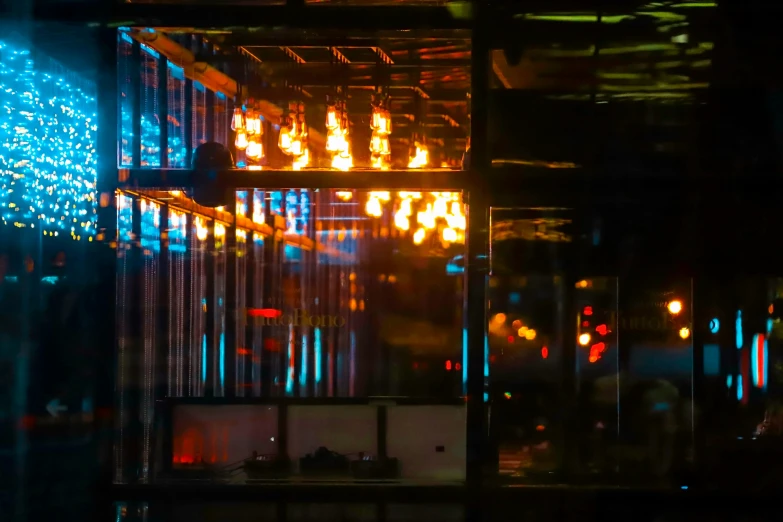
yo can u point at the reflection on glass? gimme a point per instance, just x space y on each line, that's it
297 293
527 316
636 377
622 344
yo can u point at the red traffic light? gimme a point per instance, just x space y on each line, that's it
587 310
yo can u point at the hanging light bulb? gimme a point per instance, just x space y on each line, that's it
401 221
255 150
426 218
301 161
253 123
373 207
419 236
241 142
296 147
375 142
284 140
385 146
375 119
238 120
343 161
449 235
420 158
250 127
332 121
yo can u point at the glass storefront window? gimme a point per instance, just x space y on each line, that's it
562 99
333 294
413 112
590 377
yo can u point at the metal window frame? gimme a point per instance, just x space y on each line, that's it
471 182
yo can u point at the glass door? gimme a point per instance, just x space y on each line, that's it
590 358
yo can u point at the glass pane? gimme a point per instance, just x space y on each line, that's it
527 339
591 377
51 365
742 373
293 294
401 102
560 100
635 356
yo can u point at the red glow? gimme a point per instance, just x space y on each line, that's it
585 324
602 329
244 351
595 352
269 313
492 358
272 345
540 427
458 366
448 365
27 422
415 366
510 338
760 340
588 310
544 352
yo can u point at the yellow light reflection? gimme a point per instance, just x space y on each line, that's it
584 339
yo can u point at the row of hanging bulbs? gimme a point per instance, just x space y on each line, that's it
428 214
293 136
248 125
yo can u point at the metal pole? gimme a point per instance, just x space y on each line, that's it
476 256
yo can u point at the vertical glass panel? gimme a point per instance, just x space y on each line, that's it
219 259
591 377
528 338
124 51
150 254
223 111
345 294
176 116
635 365
198 306
599 373
741 410
150 121
180 352
199 114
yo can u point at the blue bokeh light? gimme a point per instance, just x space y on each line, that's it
47 149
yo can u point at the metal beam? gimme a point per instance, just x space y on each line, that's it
230 17
315 64
399 91
290 53
239 179
357 40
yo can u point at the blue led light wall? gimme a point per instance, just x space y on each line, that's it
47 149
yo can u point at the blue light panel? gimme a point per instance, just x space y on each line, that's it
47 149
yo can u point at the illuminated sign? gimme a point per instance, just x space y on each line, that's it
644 322
300 317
